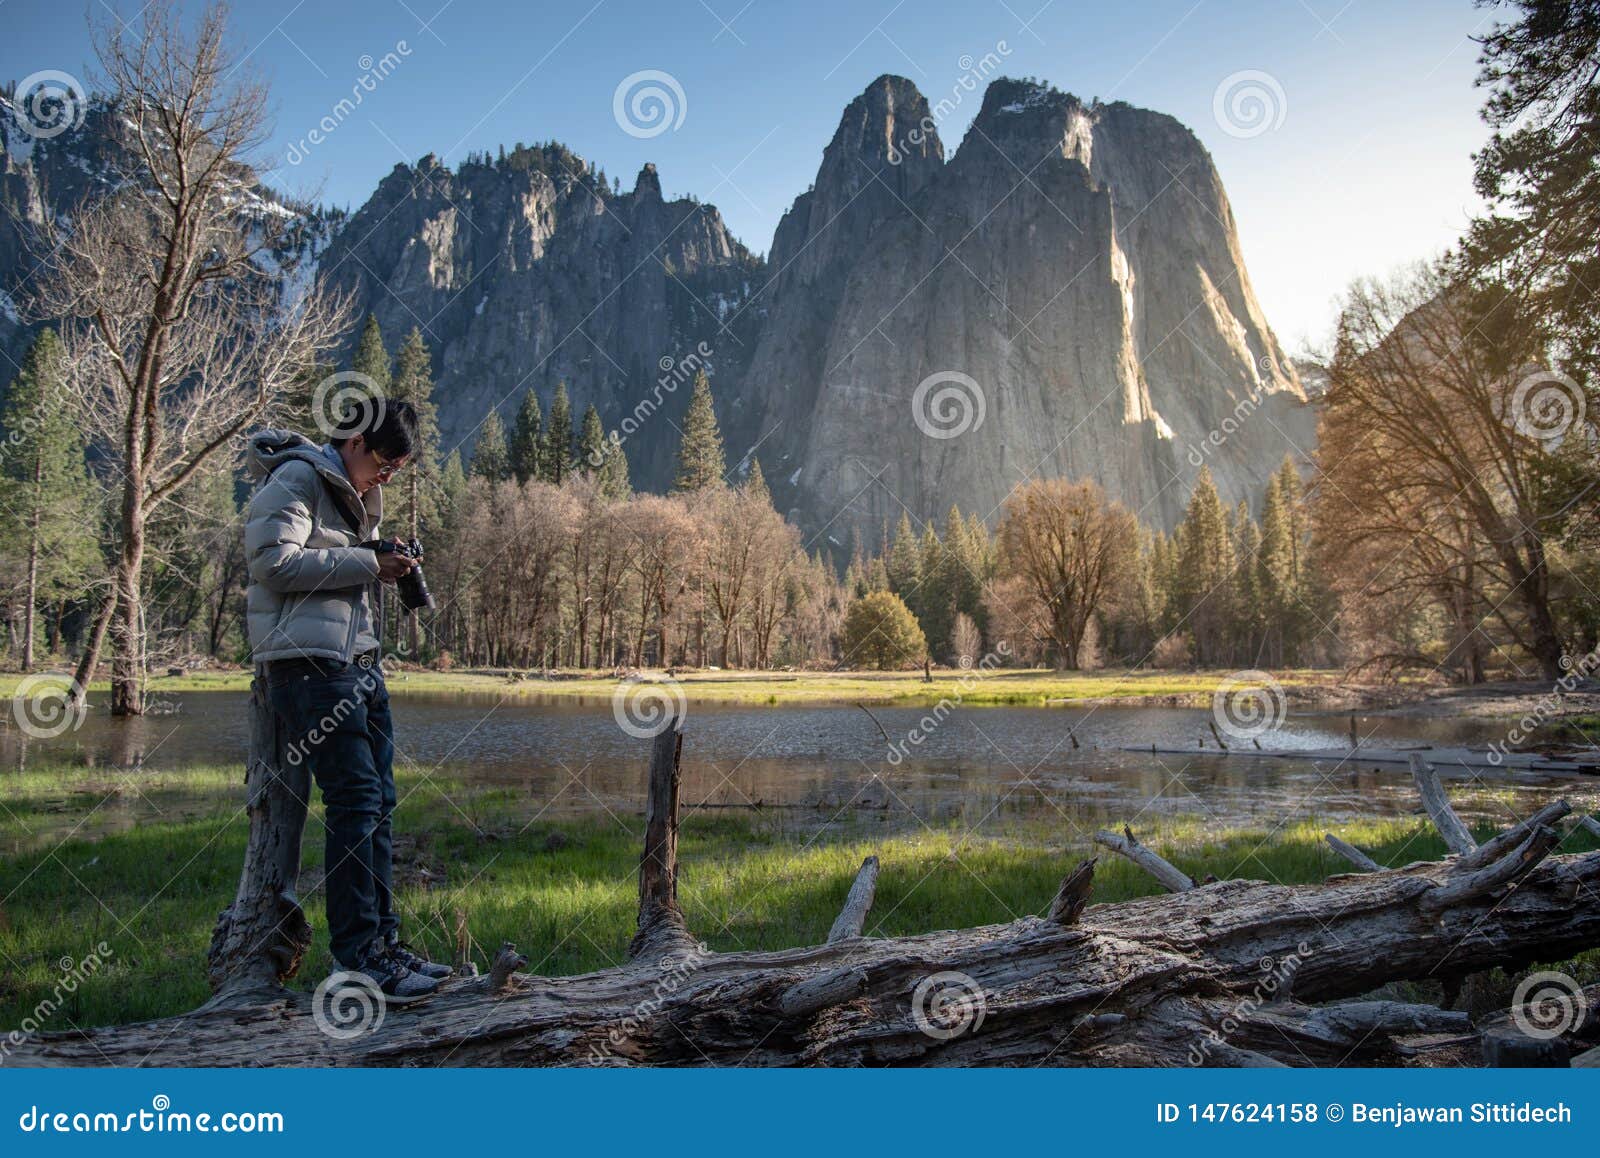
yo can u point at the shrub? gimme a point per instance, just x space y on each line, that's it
881 632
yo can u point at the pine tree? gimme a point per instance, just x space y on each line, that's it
934 603
602 457
756 485
490 460
1299 522
700 461
415 511
46 500
527 439
1248 618
453 488
1275 579
591 441
372 358
556 455
613 475
1204 572
417 507
904 564
965 559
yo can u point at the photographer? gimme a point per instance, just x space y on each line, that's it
313 614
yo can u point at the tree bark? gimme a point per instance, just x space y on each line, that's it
1232 972
91 652
260 939
127 663
35 518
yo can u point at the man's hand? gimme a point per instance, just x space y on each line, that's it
392 565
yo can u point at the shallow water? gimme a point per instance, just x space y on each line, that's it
828 765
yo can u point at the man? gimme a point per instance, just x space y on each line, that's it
312 609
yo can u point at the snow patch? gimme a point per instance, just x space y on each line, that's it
795 477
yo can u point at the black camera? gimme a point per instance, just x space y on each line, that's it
412 586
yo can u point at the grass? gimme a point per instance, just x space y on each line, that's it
150 865
1578 729
1002 686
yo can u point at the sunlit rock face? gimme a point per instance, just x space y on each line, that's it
1071 281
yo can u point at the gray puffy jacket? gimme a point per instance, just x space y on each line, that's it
306 573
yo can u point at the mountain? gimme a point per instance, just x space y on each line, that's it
531 270
1064 295
1078 264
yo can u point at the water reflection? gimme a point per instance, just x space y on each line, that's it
826 765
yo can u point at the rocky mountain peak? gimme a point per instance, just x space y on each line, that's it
647 186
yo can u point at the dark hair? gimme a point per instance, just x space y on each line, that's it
390 427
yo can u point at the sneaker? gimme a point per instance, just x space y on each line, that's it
403 953
399 984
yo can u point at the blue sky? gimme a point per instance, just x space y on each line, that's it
1369 166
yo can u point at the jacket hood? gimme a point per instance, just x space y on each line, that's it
266 450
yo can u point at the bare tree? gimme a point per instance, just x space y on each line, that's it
668 541
1439 439
1074 550
178 329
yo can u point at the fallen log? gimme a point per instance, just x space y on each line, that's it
1352 854
1233 972
1172 879
1437 801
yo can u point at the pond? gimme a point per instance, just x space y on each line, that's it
817 766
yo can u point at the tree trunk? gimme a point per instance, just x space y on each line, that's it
91 652
35 518
1224 973
259 940
127 664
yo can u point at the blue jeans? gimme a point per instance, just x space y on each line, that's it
335 719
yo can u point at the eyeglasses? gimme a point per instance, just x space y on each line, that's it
387 467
